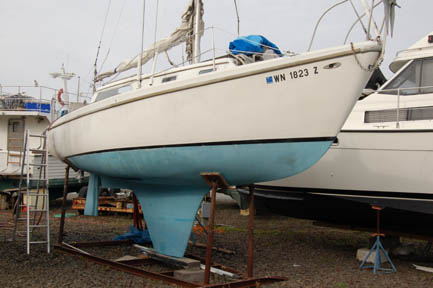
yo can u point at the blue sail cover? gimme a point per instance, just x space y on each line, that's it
252 44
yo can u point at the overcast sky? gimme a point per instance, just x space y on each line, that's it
38 36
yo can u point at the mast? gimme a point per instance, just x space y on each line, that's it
196 50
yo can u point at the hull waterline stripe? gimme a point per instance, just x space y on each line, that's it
246 142
214 81
350 193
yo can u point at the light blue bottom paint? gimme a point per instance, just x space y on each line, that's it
169 187
91 208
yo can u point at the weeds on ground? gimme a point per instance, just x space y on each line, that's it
341 285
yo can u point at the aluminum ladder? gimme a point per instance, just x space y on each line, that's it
37 202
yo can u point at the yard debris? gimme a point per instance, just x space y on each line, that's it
423 268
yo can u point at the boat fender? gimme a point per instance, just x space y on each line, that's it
59 97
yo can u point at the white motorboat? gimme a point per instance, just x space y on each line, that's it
248 118
383 154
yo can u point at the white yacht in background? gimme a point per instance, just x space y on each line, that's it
384 152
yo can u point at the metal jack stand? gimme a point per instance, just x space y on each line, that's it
65 193
216 180
378 248
138 221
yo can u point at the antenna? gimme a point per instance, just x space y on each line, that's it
65 77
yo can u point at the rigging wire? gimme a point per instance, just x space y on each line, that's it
320 19
140 58
356 22
237 15
156 21
359 17
154 42
99 44
114 35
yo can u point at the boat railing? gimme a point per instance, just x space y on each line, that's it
21 98
20 102
398 54
213 51
414 90
41 99
406 91
184 61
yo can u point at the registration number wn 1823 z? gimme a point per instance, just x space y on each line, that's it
295 74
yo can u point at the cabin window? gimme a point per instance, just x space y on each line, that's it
112 92
205 71
168 79
415 79
427 76
405 114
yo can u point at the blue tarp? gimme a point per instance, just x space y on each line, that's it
136 235
251 44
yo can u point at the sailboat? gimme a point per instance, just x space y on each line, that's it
250 116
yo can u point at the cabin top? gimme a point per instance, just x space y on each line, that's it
421 49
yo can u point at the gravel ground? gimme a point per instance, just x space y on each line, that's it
309 256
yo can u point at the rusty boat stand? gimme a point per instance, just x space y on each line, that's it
214 180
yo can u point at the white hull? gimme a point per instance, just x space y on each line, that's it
372 161
228 106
